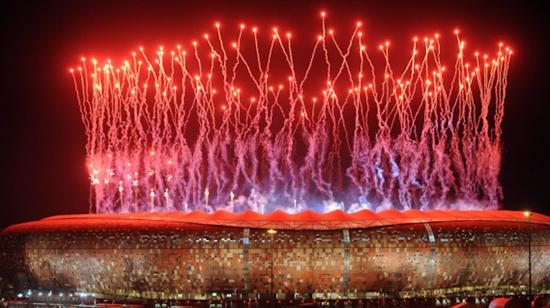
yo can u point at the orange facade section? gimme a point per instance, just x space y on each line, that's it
189 262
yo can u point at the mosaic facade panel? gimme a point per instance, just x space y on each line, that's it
403 260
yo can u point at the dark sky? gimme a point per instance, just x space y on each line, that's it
43 170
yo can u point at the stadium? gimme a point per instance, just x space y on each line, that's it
197 257
380 188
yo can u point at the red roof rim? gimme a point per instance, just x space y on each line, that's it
221 215
278 219
364 214
277 215
339 215
249 215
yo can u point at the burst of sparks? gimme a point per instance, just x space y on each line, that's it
239 124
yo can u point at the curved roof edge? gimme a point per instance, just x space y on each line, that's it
306 220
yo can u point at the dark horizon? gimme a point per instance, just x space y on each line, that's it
44 138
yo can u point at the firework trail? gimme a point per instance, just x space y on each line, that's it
240 125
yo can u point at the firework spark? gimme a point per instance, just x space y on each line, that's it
240 124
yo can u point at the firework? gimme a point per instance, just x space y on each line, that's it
242 124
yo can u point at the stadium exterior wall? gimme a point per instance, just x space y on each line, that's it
182 260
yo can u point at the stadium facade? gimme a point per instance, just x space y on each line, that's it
199 256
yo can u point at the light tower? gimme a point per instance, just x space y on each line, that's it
528 214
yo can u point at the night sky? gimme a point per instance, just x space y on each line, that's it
43 139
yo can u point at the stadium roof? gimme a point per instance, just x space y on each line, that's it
306 220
